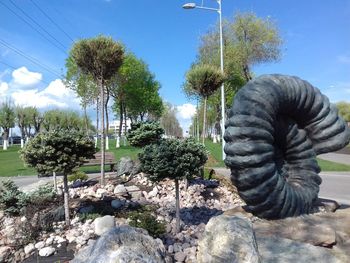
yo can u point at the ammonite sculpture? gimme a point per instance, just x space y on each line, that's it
276 127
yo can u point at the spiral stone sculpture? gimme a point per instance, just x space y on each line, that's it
275 128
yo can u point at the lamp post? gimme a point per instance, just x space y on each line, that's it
192 6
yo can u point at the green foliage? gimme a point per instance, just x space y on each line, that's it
170 123
44 194
147 221
87 216
57 151
7 118
344 110
173 158
99 57
12 200
203 80
77 175
144 133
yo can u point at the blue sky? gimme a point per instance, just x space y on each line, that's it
316 43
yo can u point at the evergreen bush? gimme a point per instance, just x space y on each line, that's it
144 133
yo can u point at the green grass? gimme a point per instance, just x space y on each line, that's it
12 165
215 159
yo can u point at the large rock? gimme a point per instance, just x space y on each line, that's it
280 250
46 251
123 244
127 166
228 239
5 252
103 224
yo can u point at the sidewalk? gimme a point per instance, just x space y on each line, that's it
336 157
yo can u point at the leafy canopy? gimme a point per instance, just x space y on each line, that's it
57 151
143 133
173 158
203 80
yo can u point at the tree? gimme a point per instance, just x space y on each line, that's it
144 133
99 58
7 121
174 159
344 110
203 80
136 92
59 152
22 120
169 122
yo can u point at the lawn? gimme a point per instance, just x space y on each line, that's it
12 165
215 159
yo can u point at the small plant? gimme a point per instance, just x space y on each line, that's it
86 216
147 221
174 159
12 200
144 133
44 194
77 175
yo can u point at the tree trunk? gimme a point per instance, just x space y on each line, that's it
97 116
121 119
54 181
246 72
125 127
106 110
86 120
102 134
177 197
204 118
66 199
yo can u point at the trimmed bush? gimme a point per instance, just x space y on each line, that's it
144 133
147 221
12 200
77 175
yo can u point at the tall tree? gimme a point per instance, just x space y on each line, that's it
203 80
170 123
99 57
344 110
7 121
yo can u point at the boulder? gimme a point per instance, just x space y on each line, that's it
126 166
228 239
103 224
46 251
123 244
40 245
120 190
117 203
134 191
274 249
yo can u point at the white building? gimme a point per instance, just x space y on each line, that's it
114 126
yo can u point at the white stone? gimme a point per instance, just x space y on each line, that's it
134 191
59 239
49 241
29 248
100 192
46 251
103 224
75 220
40 245
120 190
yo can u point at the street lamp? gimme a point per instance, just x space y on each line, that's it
192 6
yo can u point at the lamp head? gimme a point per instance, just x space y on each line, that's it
189 6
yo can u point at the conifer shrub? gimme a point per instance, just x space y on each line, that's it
144 133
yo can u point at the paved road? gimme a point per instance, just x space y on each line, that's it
336 157
335 185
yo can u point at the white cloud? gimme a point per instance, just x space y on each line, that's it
55 95
339 91
186 111
3 88
22 76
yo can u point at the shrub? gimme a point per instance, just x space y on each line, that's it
77 175
147 221
174 159
144 133
44 194
86 216
12 200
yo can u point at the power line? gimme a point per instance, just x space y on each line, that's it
52 21
31 19
30 25
8 65
32 59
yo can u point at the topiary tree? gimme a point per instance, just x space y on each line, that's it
174 159
203 80
7 121
59 152
144 133
100 59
